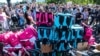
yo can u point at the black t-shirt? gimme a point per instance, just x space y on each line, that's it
78 15
89 9
94 12
78 18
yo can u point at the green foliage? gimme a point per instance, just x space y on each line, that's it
82 2
55 1
97 1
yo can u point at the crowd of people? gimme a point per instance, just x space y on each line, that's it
26 13
87 16
23 15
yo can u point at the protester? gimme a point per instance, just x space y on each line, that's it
85 14
25 15
3 19
28 16
79 17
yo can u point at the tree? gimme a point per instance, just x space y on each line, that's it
97 1
82 2
55 1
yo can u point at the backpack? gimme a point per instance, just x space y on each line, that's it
44 18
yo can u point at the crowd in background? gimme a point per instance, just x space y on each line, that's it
79 11
85 15
25 14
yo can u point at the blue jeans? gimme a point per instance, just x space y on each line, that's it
21 21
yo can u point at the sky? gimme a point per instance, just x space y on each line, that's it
13 1
40 0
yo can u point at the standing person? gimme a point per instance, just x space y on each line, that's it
8 13
52 7
28 16
24 8
74 10
3 19
98 16
6 10
59 9
93 15
85 14
79 17
20 14
33 11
